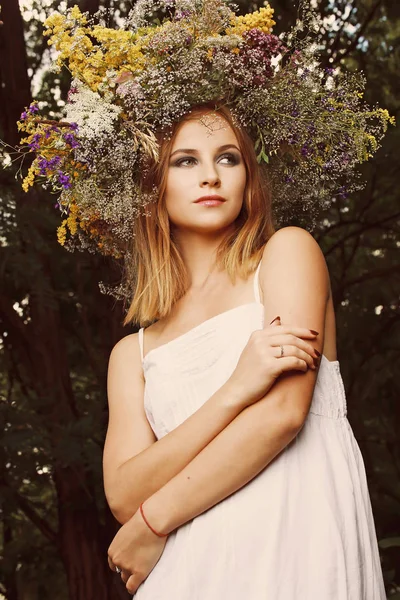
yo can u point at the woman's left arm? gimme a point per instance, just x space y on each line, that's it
295 282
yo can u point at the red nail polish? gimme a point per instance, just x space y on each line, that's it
274 320
314 332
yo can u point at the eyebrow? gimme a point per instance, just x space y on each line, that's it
194 151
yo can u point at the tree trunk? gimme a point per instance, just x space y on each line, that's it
82 550
15 92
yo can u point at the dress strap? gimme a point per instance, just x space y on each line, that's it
141 342
256 284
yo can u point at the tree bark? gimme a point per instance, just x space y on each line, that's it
82 550
15 89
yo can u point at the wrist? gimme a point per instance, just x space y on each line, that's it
157 514
234 395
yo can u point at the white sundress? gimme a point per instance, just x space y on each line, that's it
303 528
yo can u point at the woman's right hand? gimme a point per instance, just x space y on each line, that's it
260 363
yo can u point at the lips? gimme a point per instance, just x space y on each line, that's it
203 198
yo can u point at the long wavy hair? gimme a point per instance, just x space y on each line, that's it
156 273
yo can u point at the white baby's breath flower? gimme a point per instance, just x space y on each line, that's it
95 116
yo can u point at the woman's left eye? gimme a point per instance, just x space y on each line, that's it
231 157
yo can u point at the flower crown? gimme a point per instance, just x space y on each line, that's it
309 125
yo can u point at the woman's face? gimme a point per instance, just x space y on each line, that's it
205 160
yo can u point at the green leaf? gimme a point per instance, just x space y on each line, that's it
264 156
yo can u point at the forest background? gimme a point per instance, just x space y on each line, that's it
57 329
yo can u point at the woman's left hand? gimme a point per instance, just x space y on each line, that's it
135 550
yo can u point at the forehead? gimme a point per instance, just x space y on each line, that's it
210 129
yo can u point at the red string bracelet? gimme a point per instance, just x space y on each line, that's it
148 524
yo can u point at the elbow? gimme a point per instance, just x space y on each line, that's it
293 412
121 509
291 420
295 420
120 513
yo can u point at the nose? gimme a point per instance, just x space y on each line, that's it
209 176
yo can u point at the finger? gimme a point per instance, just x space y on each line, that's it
110 563
294 341
133 583
125 575
294 352
292 329
288 363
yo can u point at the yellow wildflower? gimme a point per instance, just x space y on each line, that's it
386 116
76 14
62 232
30 177
260 19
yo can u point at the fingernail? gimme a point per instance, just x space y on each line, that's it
316 352
314 332
274 320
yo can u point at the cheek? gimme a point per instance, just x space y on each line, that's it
177 181
240 183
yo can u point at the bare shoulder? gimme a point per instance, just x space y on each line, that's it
127 352
292 239
127 343
294 251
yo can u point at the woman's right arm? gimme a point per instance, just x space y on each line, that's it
135 464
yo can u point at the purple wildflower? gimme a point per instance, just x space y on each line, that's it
305 73
51 164
70 139
34 144
342 192
181 14
260 49
23 116
73 126
306 150
288 179
33 108
329 71
64 180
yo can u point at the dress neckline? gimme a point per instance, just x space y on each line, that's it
179 337
196 327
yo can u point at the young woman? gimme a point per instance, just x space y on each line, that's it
229 460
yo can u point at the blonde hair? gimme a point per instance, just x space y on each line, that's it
156 273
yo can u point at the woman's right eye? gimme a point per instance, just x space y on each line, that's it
183 160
